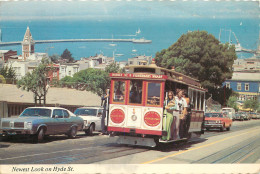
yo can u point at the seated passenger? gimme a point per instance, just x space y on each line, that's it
119 95
133 94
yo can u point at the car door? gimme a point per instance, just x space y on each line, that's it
99 117
59 120
68 122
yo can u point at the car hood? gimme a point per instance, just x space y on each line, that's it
24 119
213 118
89 117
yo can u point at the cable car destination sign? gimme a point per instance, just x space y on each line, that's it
141 76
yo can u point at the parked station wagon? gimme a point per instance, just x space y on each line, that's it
92 118
217 120
41 121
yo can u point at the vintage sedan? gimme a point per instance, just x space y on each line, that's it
92 118
41 121
239 116
217 120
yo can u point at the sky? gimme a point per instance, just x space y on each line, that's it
126 9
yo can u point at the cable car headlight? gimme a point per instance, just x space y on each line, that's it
134 117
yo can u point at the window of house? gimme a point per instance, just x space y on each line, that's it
131 62
239 86
227 84
247 87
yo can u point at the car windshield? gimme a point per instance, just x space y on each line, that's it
237 114
39 112
86 112
213 115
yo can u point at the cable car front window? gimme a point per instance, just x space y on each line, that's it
119 91
154 94
135 95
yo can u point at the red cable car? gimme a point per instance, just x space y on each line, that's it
136 109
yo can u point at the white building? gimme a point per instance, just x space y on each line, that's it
38 56
140 60
68 69
246 64
22 67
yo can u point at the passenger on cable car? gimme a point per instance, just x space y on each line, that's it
119 95
169 117
179 113
185 121
153 101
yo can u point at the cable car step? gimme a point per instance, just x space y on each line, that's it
170 141
139 141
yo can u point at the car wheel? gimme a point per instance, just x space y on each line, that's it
73 132
90 130
39 137
228 128
221 129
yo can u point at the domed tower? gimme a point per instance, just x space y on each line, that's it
27 44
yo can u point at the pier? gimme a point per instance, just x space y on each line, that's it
136 41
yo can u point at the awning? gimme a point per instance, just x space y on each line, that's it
248 93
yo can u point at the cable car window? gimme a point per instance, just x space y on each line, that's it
194 99
153 97
202 101
119 91
198 100
136 90
149 70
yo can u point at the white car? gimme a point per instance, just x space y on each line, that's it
92 118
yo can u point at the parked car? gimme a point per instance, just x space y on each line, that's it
92 118
41 121
239 116
245 115
253 115
217 120
230 112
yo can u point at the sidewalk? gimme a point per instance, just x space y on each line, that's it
65 96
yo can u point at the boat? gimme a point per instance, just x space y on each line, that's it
142 40
119 55
112 44
138 31
134 50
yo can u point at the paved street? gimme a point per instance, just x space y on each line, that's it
239 145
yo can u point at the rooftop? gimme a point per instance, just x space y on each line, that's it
246 76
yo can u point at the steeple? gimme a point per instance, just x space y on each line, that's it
27 44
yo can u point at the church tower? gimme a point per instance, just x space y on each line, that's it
27 44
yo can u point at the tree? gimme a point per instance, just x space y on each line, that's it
67 55
232 102
251 104
201 56
36 82
114 68
8 73
94 80
2 79
54 58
